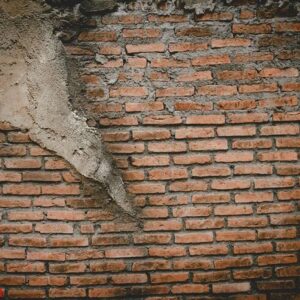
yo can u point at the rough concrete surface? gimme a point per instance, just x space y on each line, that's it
34 95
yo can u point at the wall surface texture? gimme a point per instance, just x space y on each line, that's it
201 116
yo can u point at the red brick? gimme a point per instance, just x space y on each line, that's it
108 266
286 117
186 47
115 136
27 241
68 242
26 294
247 74
288 246
10 253
234 156
186 211
167 147
125 252
126 148
261 273
150 106
163 225
193 238
162 120
42 176
147 161
220 288
55 256
10 177
25 215
242 248
153 238
129 278
289 195
54 228
230 184
133 175
15 228
258 88
233 262
67 292
195 76
191 159
211 171
12 280
288 142
275 259
270 234
274 183
8 150
169 63
278 156
169 277
211 60
229 210
251 28
233 42
122 19
192 264
167 173
188 186
208 145
88 280
290 86
168 200
253 169
252 144
141 33
207 249
287 27
167 251
239 235
217 90
146 188
106 292
280 130
61 190
145 48
151 265
278 102
190 289
236 131
154 213
204 224
247 14
9 203
252 57
189 105
24 267
206 277
205 119
275 72
285 219
110 50
292 271
248 118
21 189
254 197
22 163
55 164
248 222
211 198
18 137
275 208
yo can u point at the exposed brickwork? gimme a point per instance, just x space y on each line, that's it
201 115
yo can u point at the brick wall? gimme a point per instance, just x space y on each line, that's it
201 115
